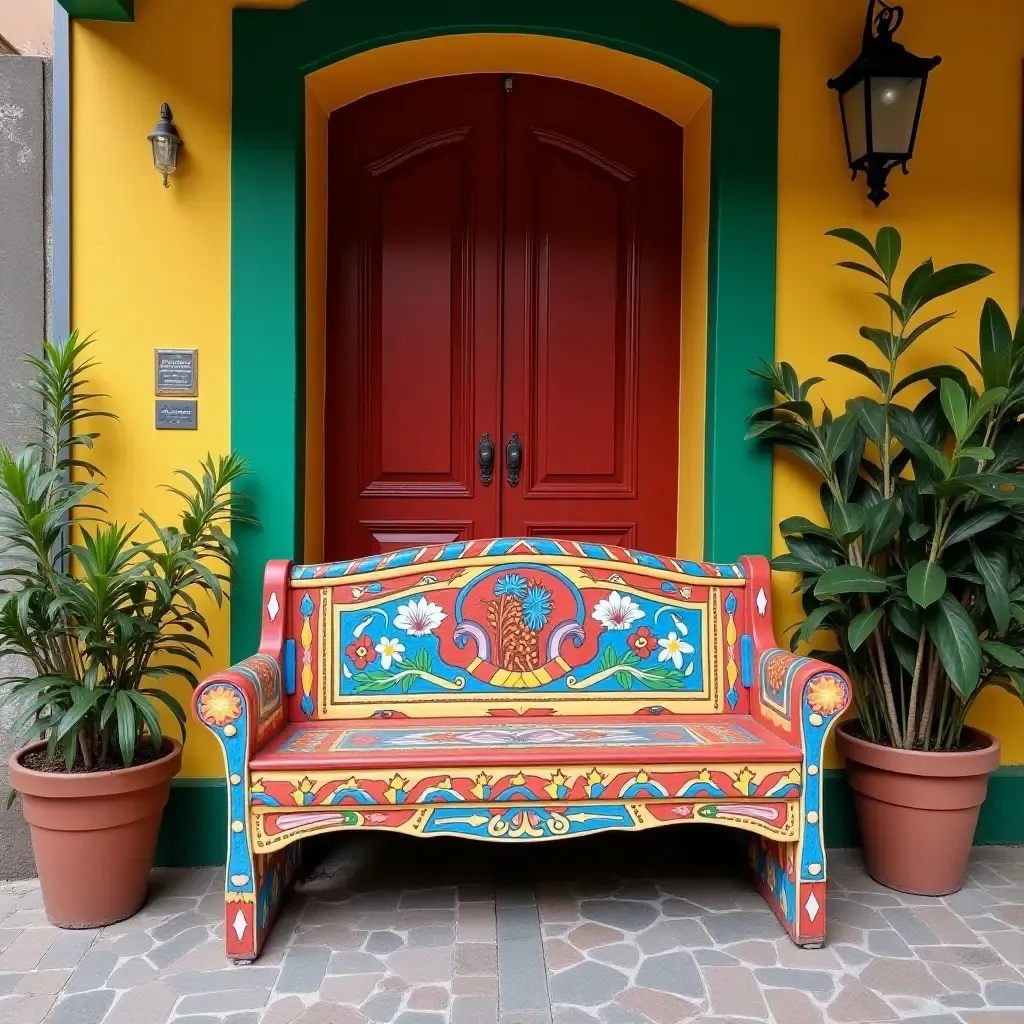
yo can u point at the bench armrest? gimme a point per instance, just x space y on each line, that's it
247 699
797 698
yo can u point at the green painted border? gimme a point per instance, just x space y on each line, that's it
195 821
100 10
194 826
274 50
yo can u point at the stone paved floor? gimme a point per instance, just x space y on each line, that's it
659 927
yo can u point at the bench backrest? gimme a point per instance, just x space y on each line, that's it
520 627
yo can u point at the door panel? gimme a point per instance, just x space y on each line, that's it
413 314
395 534
502 262
591 340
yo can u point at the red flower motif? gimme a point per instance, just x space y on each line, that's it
361 652
643 642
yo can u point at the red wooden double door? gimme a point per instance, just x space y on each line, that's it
503 296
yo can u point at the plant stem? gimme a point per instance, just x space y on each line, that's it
890 703
908 739
923 735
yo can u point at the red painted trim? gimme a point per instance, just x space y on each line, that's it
272 636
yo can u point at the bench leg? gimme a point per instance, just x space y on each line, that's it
251 908
799 905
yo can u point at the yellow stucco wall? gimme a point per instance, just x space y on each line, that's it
151 266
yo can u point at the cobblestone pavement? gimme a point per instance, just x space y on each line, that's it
659 927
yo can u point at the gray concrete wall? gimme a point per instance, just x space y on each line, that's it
24 314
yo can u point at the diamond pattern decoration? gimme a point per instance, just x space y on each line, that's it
239 925
762 602
273 606
812 906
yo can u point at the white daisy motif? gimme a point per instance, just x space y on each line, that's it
617 611
419 618
673 648
389 651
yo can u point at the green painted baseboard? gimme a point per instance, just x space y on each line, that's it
194 831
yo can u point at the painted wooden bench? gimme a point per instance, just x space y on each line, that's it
520 691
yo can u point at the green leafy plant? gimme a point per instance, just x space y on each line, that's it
918 572
100 615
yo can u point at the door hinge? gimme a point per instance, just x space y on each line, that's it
508 83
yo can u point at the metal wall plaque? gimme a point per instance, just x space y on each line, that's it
177 372
176 414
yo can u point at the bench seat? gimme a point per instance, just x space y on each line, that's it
466 742
521 690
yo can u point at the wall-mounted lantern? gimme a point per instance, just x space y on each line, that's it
166 142
880 97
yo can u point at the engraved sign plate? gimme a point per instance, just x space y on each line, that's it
176 414
177 372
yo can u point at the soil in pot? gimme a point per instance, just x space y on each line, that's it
918 809
94 833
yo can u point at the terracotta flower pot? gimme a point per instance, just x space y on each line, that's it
917 810
94 836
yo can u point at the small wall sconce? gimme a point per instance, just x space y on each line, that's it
166 142
880 98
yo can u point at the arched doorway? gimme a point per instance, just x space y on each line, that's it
286 62
504 271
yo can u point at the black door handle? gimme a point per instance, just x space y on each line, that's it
513 459
485 456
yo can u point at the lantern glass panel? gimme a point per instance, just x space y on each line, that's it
894 104
165 153
854 115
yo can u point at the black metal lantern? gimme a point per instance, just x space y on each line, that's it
880 97
166 142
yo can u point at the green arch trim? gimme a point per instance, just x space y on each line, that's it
273 51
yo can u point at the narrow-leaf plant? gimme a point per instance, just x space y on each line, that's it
919 571
102 613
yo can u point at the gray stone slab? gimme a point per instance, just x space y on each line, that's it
910 927
522 976
585 984
675 907
572 1015
354 962
224 1002
165 954
934 1018
67 950
135 971
888 943
303 969
737 925
432 935
675 972
714 958
382 943
177 924
92 971
515 896
252 976
1005 993
963 1001
819 982
420 1017
629 915
248 1017
8 982
81 1008
382 1007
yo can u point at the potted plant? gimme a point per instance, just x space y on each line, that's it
916 567
98 618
